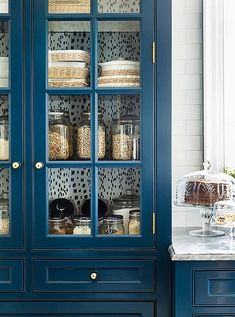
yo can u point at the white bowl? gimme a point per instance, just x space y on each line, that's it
120 64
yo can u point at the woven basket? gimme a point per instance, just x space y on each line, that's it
69 6
68 72
113 80
120 72
119 85
67 83
69 56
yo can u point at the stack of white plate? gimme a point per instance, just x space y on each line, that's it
4 71
120 73
68 68
3 6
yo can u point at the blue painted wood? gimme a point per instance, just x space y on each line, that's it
11 276
15 99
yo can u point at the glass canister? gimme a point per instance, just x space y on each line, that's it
84 137
82 225
224 215
4 214
113 225
126 138
124 204
57 226
59 136
71 133
134 222
4 138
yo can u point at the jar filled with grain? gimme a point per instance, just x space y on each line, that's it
4 214
82 225
71 133
84 137
59 138
125 138
4 138
57 226
134 222
113 225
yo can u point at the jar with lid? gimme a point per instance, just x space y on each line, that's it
113 225
84 137
59 138
4 138
134 222
126 138
4 214
71 133
124 204
57 226
82 225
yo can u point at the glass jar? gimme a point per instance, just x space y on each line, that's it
84 137
59 138
82 225
57 226
71 133
126 138
100 225
4 214
113 225
134 222
4 138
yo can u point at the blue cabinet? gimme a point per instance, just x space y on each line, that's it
86 122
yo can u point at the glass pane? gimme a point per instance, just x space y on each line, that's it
69 128
4 202
4 129
69 54
120 189
118 6
69 201
119 54
69 6
4 51
119 127
3 6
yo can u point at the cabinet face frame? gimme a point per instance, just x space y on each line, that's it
41 240
14 95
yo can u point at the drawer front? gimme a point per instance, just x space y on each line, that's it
11 275
214 287
93 276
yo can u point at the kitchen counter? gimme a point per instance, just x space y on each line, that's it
189 248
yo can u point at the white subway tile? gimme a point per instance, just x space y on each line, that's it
187 21
194 158
179 127
179 66
194 6
187 112
187 143
194 66
179 158
179 219
194 127
193 219
194 97
179 36
189 51
178 6
179 96
187 81
193 36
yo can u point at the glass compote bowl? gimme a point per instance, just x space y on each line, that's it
202 190
224 215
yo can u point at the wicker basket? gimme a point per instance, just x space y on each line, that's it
121 72
69 6
119 81
69 56
75 83
68 72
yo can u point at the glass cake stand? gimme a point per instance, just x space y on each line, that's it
224 212
202 190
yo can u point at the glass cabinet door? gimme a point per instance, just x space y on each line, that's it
11 126
93 120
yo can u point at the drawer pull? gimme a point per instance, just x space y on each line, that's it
94 276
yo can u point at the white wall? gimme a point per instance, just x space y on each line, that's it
187 99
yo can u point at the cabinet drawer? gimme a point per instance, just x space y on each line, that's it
214 287
11 275
76 276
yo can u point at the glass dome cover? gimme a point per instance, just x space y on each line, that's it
224 213
204 188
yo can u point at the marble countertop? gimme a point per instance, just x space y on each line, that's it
189 248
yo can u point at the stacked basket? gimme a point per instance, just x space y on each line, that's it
68 68
3 71
120 73
69 6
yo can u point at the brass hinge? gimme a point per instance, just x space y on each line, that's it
154 52
154 222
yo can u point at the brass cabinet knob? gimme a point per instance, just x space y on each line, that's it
16 165
39 165
94 276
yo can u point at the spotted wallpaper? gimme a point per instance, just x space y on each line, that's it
4 180
119 6
4 39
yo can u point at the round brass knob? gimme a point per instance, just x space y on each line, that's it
16 165
39 165
94 276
